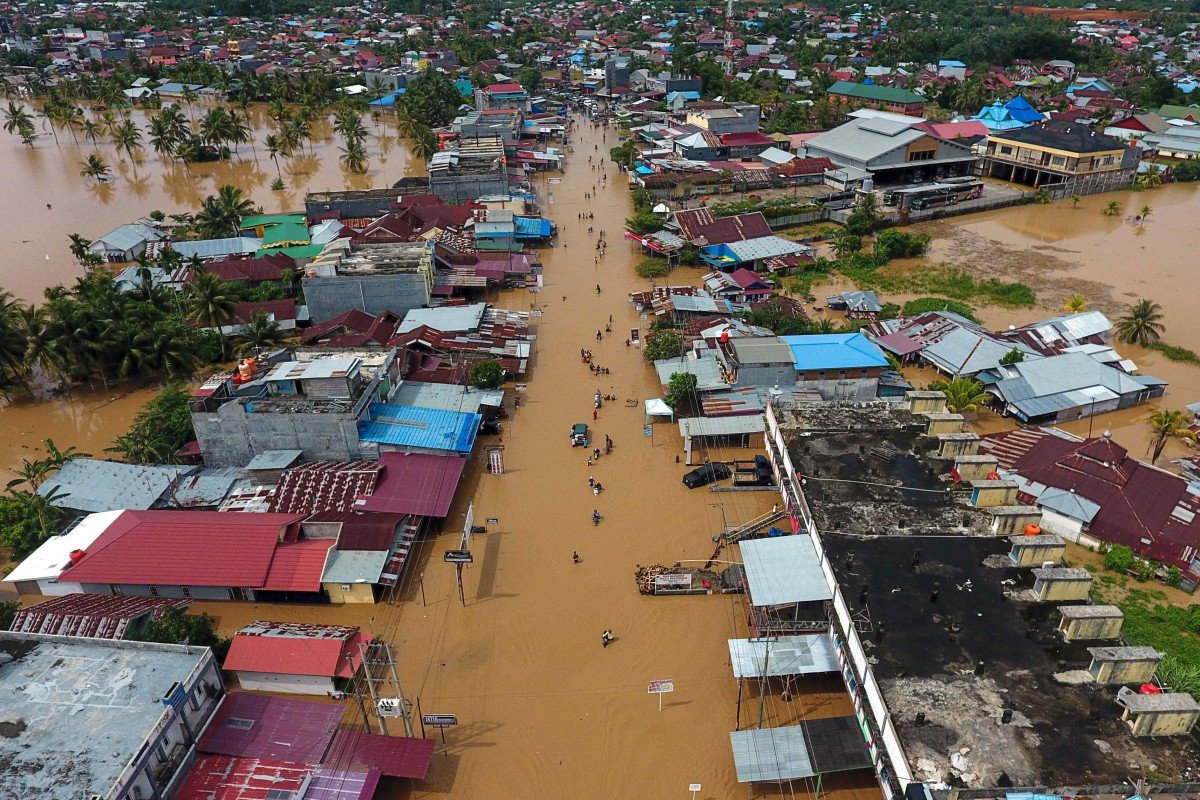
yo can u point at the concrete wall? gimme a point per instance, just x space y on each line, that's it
1069 529
292 684
138 590
461 188
857 388
765 376
1164 724
1110 672
349 592
1091 629
230 437
1036 556
360 206
1061 590
374 294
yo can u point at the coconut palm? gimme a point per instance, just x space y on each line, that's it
846 246
91 130
1151 178
354 157
274 149
1142 325
168 348
1145 212
95 167
1075 304
128 137
1112 209
1167 423
963 395
424 145
1075 199
17 119
222 215
260 333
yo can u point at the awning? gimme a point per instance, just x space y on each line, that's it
656 407
784 655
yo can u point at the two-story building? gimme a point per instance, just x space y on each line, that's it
892 149
1051 152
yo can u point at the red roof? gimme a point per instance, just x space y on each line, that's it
282 310
183 548
354 328
97 616
955 130
265 268
284 729
415 483
745 139
213 777
504 88
324 486
298 566
394 756
331 651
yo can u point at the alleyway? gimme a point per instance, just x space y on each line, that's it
544 710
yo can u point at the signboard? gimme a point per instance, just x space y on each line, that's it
439 720
660 687
458 557
647 430
672 580
695 787
493 520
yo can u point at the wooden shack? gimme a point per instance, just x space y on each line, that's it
1033 551
1171 714
1123 664
1061 583
1090 623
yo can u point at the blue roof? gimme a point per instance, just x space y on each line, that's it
465 87
388 100
834 351
532 226
1021 111
427 428
685 95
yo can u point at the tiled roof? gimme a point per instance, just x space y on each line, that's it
324 486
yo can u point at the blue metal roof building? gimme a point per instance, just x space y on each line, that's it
834 351
420 429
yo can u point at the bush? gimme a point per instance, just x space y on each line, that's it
8 610
894 243
681 390
662 344
923 304
1186 171
643 222
487 375
1144 570
652 268
162 426
1119 559
1013 356
862 222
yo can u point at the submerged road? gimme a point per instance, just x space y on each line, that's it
544 710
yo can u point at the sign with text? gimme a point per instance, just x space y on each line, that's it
660 687
672 580
459 557
440 720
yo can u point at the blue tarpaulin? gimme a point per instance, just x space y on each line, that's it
532 227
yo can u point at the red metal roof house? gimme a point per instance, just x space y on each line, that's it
295 658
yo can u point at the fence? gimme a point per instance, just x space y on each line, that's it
873 715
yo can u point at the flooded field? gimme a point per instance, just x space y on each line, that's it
45 198
544 709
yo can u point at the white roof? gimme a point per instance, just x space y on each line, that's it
782 570
448 319
49 560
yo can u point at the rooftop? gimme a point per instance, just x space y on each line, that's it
90 485
834 351
1070 137
95 616
77 710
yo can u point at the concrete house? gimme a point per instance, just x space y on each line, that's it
870 95
1058 152
840 366
373 278
730 118
295 658
892 150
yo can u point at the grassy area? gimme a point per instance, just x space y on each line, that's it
1174 353
923 304
946 281
808 231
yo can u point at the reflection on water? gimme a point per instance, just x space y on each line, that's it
45 198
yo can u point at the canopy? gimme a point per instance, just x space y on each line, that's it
658 408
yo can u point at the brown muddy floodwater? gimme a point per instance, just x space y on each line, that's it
34 250
544 710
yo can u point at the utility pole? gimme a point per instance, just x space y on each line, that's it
379 670
729 37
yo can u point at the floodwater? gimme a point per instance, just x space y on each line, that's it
45 198
1060 250
544 710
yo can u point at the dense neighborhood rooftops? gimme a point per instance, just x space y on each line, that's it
91 485
97 616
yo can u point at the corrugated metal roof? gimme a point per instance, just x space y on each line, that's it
334 784
426 428
354 566
53 555
782 570
415 483
789 655
721 426
446 396
90 485
771 754
215 248
1069 504
707 371
394 756
445 318
283 729
96 616
290 653
835 351
274 459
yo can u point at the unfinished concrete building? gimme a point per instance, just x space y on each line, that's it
373 278
476 168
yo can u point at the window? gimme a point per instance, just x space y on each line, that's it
240 723
922 155
1005 150
187 592
1058 161
112 587
154 591
195 701
345 587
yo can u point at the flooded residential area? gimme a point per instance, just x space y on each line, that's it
860 463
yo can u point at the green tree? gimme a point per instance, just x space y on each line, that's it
128 137
1119 558
487 375
1112 209
211 301
95 167
846 245
423 145
260 333
1075 304
894 243
17 119
1013 356
1144 214
172 626
531 79
1075 200
963 395
652 268
681 390
8 612
354 157
1142 325
1167 423
159 429
431 97
221 215
662 344
27 520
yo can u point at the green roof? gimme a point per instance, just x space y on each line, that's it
297 252
1179 112
279 228
869 91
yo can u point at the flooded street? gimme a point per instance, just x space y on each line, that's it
543 708
34 250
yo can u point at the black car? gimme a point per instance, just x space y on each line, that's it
703 476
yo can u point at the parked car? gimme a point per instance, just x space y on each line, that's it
703 476
579 434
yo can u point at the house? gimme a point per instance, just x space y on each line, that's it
352 329
857 305
472 168
726 118
740 286
39 572
884 98
311 401
502 96
1091 491
1058 152
1136 126
998 117
126 243
295 658
840 366
93 616
373 278
750 254
89 485
210 555
101 718
1065 387
894 151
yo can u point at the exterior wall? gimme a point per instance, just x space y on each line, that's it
1011 524
292 684
371 204
1069 529
944 423
230 437
1091 629
329 296
1062 590
840 384
1060 161
1036 556
350 592
1165 724
461 188
138 590
1110 672
52 589
765 376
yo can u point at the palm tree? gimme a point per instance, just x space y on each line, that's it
1112 209
210 302
91 130
169 348
1142 325
274 148
354 157
1151 178
963 395
260 333
408 125
1075 200
846 246
222 215
1145 212
1075 304
424 145
95 167
16 119
79 246
128 137
1168 423
240 132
